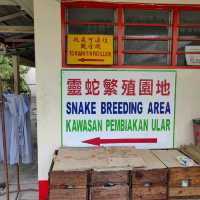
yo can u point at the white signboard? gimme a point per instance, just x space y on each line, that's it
118 107
192 58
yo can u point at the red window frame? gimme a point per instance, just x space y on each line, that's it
119 6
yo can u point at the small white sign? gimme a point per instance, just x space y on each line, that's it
192 59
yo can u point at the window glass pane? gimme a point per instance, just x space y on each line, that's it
91 15
189 32
144 31
182 44
90 29
181 58
145 45
146 16
141 59
181 61
190 17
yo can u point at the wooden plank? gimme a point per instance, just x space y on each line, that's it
145 178
169 157
12 16
117 192
120 158
15 64
19 40
16 29
183 181
99 159
192 151
149 193
179 198
106 178
65 180
8 3
18 36
151 161
190 174
68 194
184 192
27 6
79 159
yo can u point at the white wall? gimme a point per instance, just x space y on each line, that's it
30 78
187 104
48 65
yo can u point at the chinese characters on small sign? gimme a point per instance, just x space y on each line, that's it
125 107
90 49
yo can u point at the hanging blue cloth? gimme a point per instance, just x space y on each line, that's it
26 151
18 130
11 127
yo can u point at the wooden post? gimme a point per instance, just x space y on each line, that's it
15 61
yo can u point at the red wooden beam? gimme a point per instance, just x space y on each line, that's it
146 24
63 39
189 25
175 22
183 52
188 38
145 52
90 23
120 34
88 4
91 4
162 38
164 67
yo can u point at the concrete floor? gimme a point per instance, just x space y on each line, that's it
28 180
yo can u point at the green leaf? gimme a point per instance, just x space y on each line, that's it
6 74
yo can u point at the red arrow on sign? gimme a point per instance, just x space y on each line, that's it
90 59
98 141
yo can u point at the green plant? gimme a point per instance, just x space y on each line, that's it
6 74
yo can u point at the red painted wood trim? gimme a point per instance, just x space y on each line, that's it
189 25
175 22
120 34
88 4
164 67
120 6
91 4
183 52
63 41
145 52
90 23
127 37
188 38
147 25
43 189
